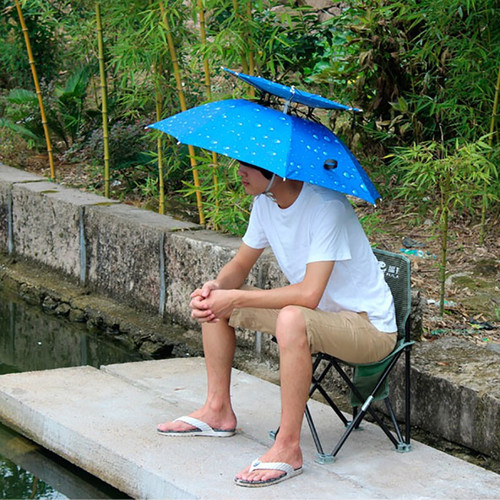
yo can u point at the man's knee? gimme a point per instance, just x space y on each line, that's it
216 326
290 326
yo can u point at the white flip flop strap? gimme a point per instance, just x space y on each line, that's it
195 423
282 466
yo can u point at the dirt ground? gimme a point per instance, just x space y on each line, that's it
472 297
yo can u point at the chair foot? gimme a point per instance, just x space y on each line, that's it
358 428
323 458
403 448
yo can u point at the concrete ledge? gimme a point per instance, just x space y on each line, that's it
456 393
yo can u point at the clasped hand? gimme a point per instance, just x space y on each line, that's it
209 303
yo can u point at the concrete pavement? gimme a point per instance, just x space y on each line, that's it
104 421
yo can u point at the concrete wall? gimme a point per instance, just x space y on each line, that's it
153 262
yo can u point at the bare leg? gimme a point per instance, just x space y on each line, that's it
295 375
218 344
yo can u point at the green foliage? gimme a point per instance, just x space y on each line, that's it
282 38
20 106
42 22
422 70
371 224
65 111
14 148
422 170
227 207
130 160
452 180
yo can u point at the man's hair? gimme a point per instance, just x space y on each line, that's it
263 171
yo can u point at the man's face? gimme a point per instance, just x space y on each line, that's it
253 181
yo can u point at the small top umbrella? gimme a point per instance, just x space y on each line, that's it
291 94
289 146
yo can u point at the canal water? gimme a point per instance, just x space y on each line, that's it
31 339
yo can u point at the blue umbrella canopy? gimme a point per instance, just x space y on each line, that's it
289 146
291 94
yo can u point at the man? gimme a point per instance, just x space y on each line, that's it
337 302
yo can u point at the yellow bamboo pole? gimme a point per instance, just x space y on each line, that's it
104 98
37 88
182 99
208 85
159 142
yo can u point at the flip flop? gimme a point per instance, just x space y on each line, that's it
201 429
288 470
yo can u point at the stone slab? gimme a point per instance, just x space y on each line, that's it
104 421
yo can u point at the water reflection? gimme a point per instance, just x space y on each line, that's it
49 476
33 340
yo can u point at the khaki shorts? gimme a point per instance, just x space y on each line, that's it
346 335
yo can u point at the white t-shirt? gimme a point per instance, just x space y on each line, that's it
321 225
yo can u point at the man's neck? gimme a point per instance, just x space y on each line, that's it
286 192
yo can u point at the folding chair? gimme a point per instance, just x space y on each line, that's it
369 382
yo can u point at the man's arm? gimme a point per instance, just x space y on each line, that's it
307 293
235 272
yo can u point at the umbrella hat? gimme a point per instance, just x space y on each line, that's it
289 146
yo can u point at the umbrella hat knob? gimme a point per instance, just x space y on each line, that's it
330 164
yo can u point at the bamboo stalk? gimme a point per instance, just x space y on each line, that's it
182 99
158 102
244 64
208 85
157 69
445 213
104 98
495 108
251 61
203 35
37 88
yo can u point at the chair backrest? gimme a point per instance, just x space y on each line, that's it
397 269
